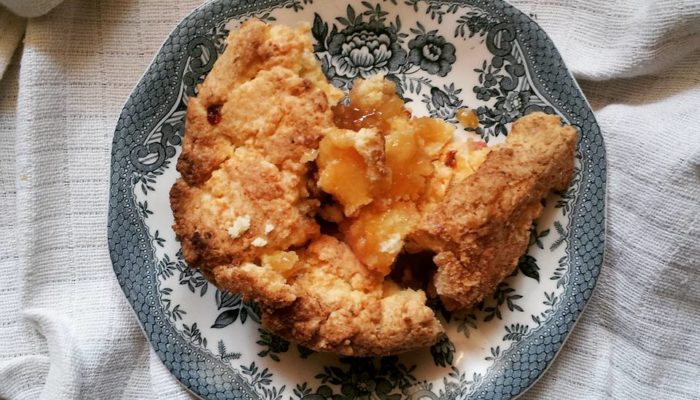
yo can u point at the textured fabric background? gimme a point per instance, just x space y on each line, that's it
66 331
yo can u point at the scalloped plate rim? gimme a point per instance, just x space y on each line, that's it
142 80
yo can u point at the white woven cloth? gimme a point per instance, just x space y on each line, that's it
66 331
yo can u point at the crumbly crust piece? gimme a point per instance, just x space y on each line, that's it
244 187
257 117
481 228
265 91
335 304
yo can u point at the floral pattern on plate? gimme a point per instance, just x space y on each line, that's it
442 55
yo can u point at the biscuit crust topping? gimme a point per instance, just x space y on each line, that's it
303 204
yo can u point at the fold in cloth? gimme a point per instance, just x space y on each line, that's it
66 330
11 32
13 14
30 8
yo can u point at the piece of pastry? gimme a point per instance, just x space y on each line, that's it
304 205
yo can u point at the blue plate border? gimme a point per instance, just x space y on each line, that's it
133 256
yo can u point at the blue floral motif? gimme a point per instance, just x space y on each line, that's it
363 378
366 49
475 23
367 43
503 80
443 352
452 391
433 53
443 103
273 345
234 309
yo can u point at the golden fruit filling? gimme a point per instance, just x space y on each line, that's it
384 166
284 262
467 118
351 166
373 103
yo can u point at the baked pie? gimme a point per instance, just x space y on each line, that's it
314 206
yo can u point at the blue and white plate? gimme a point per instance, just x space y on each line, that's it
443 55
